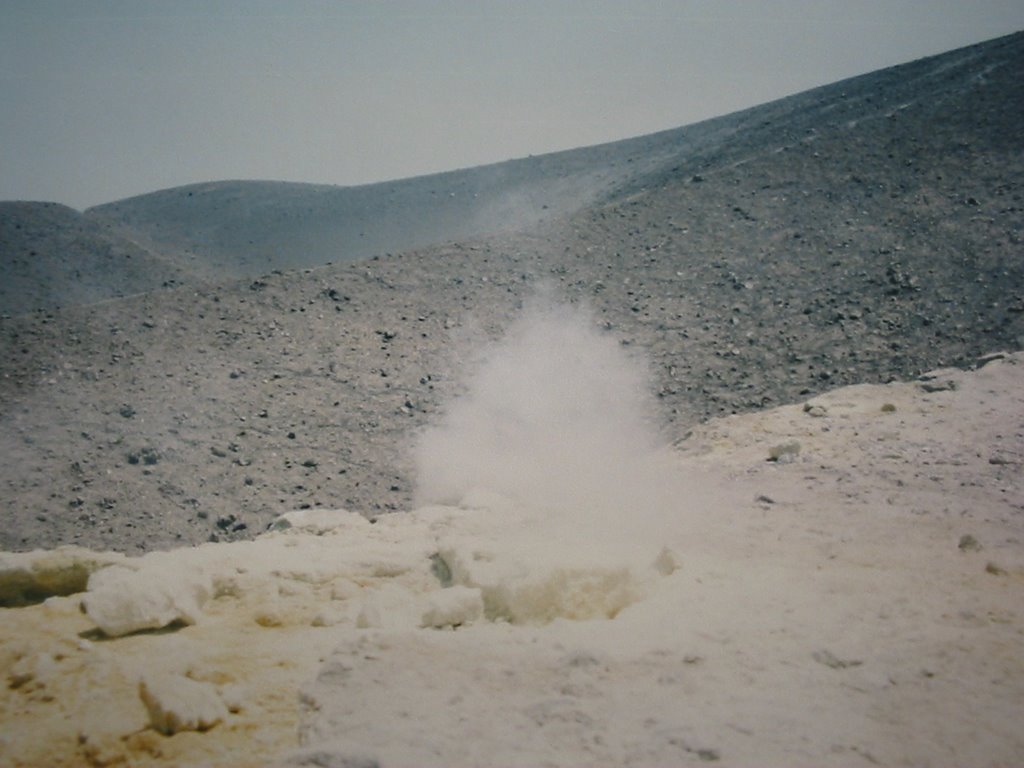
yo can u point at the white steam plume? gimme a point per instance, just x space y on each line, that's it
557 420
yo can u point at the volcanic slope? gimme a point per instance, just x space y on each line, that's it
861 232
52 255
248 228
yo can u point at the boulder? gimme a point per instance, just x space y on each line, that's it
122 600
176 703
31 577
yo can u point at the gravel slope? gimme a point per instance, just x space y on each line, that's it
864 232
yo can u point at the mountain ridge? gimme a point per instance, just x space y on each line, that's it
226 229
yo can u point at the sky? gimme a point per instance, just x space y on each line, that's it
105 99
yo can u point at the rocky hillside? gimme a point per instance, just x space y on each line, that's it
53 256
862 232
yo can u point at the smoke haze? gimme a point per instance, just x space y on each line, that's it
556 419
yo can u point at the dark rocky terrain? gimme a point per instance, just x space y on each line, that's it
205 233
861 232
52 255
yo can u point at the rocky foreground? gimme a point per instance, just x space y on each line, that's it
834 582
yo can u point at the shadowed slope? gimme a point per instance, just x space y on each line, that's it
52 256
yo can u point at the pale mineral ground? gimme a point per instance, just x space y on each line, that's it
855 601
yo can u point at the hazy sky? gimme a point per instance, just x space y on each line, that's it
103 99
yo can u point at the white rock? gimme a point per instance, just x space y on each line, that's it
176 703
453 607
318 521
815 410
784 453
389 607
29 577
667 562
523 592
121 600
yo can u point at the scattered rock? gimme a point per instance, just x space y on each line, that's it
31 577
121 600
986 359
453 607
938 386
318 521
969 544
834 662
816 411
146 456
226 521
320 758
176 703
667 562
784 452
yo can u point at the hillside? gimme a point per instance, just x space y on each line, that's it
862 232
229 229
53 256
